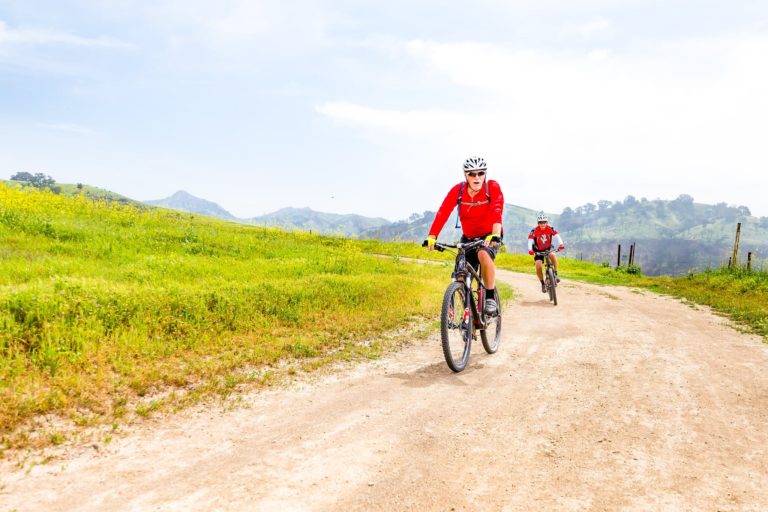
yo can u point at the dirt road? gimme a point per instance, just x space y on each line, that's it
613 400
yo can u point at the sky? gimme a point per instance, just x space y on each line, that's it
371 107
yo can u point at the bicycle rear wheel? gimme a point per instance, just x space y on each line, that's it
552 285
491 335
456 327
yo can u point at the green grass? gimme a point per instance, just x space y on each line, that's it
104 306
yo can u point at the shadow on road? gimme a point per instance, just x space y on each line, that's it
544 303
436 373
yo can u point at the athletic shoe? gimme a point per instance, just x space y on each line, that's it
490 307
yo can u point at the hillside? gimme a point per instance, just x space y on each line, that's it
110 310
306 219
671 237
71 189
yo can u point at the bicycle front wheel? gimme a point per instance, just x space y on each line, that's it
491 335
552 285
456 326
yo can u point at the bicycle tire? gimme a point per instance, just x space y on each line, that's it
456 324
492 325
552 285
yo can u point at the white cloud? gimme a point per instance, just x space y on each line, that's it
68 128
588 29
398 122
684 117
38 36
242 26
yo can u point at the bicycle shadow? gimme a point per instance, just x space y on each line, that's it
543 303
437 373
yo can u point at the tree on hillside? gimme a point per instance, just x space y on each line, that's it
40 180
37 180
22 176
603 204
630 201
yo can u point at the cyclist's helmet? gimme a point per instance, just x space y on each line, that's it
475 163
542 217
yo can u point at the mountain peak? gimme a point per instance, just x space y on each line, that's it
184 201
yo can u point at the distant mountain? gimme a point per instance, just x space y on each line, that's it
187 202
306 219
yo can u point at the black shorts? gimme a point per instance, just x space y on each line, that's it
472 257
537 257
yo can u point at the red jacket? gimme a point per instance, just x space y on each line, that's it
477 214
543 238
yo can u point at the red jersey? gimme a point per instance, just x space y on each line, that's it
542 238
477 214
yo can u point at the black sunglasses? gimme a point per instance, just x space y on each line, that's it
473 173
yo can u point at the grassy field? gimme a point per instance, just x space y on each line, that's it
105 307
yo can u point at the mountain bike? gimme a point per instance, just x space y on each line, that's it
462 315
550 279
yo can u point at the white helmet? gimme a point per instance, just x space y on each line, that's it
475 163
542 217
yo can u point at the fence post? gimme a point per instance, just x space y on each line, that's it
632 254
749 261
735 256
618 257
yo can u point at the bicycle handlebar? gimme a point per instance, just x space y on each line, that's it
546 252
440 246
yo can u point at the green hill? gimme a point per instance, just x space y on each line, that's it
306 219
671 237
69 189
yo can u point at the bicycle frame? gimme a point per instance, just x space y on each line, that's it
461 269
